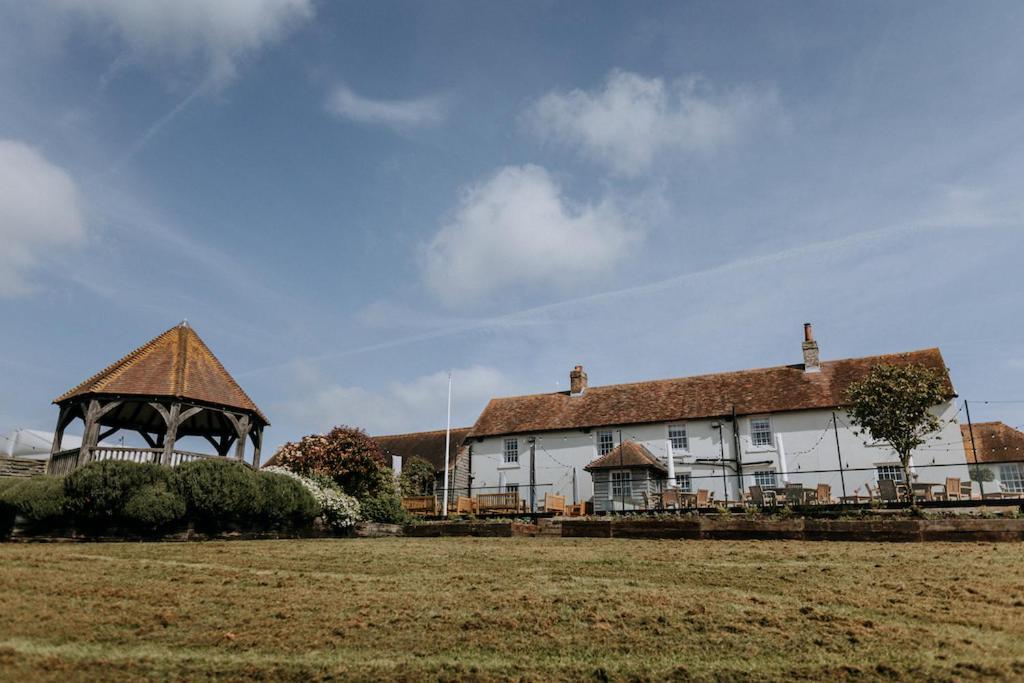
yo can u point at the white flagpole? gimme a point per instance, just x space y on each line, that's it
447 447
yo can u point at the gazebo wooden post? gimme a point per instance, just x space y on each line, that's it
58 434
173 418
257 443
90 437
242 426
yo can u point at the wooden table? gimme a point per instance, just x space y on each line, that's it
925 490
806 494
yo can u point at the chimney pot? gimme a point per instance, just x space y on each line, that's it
812 357
577 381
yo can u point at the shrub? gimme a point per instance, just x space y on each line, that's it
40 500
219 493
98 492
285 502
345 454
387 509
338 510
153 508
417 477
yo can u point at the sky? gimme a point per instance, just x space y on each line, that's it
348 201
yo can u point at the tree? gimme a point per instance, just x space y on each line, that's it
894 405
345 454
417 477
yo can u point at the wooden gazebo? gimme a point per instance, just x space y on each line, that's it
169 388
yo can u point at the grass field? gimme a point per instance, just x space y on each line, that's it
497 609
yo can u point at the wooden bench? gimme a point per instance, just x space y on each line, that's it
498 502
420 505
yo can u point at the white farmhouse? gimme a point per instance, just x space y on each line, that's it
721 433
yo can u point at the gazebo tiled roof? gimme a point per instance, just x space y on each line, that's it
627 454
177 363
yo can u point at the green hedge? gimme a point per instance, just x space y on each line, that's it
284 502
385 509
98 493
40 500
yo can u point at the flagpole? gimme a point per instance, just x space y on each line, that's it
447 447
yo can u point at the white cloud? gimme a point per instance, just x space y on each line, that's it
216 33
516 230
419 404
39 209
632 119
424 111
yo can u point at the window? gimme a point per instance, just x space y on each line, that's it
511 451
622 484
765 479
677 438
890 472
605 443
760 431
511 488
1012 477
684 482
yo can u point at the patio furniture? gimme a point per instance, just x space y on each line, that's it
498 502
674 499
925 490
966 490
762 497
420 505
704 498
823 494
554 503
951 490
891 491
794 494
465 505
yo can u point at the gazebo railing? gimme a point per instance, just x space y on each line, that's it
65 462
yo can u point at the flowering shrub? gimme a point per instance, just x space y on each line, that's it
339 510
345 454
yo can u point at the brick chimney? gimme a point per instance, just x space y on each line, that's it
812 360
577 381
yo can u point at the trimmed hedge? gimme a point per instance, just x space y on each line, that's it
154 508
284 502
98 493
219 494
40 500
384 509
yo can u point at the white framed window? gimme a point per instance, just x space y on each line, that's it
677 438
511 451
761 432
605 442
765 479
511 488
622 484
1011 475
890 472
684 482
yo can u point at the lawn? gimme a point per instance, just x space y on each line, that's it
497 609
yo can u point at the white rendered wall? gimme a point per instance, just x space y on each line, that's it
807 439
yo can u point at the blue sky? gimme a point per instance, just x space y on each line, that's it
348 200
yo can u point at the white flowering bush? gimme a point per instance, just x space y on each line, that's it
338 509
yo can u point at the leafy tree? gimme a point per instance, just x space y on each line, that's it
981 473
893 404
345 454
417 477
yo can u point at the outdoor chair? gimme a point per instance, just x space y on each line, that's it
703 498
966 490
952 490
670 500
554 503
794 494
823 494
762 497
891 491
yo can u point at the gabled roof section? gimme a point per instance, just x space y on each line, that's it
177 363
767 390
995 441
426 445
627 454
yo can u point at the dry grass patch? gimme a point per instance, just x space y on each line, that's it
511 609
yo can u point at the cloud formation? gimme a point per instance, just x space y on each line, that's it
399 114
39 209
218 34
418 404
632 119
517 230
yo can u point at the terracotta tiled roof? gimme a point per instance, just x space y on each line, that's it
176 363
626 454
426 445
995 441
766 390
